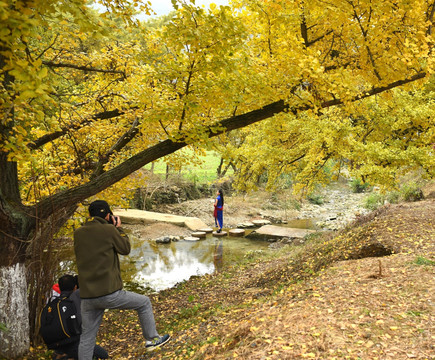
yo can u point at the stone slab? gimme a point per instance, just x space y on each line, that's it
134 216
261 222
200 234
222 233
191 238
246 224
278 232
206 230
237 232
194 223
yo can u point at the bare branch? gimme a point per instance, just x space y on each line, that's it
48 47
57 134
119 145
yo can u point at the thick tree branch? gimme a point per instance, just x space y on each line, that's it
73 196
52 64
430 15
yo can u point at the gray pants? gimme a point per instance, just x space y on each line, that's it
92 313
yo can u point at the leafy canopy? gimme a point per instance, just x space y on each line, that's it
82 91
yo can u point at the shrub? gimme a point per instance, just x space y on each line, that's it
315 199
393 197
294 204
412 192
358 186
373 201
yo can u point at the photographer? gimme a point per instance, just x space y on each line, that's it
97 244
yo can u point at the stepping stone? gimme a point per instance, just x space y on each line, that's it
260 222
222 233
268 232
200 234
245 225
237 232
206 230
191 238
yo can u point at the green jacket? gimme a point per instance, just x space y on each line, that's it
97 245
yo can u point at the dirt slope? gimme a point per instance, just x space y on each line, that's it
367 293
370 308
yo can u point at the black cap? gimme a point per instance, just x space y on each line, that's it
99 208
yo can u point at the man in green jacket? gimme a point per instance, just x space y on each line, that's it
97 244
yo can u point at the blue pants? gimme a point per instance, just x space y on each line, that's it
220 218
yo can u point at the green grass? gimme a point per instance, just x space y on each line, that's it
423 261
201 170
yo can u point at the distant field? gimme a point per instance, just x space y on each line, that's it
204 170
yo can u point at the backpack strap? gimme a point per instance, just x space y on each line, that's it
60 318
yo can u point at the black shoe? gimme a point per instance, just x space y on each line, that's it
157 342
220 230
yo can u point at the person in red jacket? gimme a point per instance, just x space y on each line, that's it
96 245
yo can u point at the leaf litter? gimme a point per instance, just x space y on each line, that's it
366 292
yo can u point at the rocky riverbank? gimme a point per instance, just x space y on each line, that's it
338 206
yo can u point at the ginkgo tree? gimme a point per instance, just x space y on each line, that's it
378 141
87 99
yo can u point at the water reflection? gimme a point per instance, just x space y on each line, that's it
161 266
218 255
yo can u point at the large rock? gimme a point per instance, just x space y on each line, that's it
134 216
163 240
167 239
274 232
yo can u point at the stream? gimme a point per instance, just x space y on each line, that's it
154 267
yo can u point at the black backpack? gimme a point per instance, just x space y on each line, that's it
59 323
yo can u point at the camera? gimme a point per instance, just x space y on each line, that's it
113 220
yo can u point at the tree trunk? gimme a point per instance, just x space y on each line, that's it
14 311
43 265
168 170
219 168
